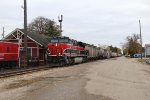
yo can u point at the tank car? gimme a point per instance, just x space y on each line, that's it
8 54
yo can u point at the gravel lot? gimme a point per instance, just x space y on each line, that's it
121 79
113 79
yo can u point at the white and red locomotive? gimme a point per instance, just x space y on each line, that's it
63 50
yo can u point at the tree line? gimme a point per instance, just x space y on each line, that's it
132 45
115 49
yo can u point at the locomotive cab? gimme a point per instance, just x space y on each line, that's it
56 45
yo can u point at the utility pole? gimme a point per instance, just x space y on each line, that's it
25 34
60 20
3 32
140 37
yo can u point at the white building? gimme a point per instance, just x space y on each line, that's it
147 50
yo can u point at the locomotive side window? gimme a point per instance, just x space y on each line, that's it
71 51
74 51
8 49
67 51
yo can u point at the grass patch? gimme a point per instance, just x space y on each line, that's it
142 60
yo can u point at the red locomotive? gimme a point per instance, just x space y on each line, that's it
8 54
63 50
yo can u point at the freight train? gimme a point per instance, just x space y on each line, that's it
65 51
61 51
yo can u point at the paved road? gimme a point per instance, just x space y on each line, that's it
113 79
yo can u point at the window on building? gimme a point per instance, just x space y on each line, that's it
29 52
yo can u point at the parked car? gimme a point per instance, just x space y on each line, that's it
137 55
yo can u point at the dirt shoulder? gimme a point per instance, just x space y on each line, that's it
65 83
121 79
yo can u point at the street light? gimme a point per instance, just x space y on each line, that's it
140 37
60 20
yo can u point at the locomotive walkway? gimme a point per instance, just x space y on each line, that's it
112 79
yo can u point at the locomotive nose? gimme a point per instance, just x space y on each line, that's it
55 49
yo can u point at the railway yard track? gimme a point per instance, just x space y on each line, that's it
21 72
10 73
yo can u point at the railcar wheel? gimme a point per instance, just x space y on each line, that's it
61 64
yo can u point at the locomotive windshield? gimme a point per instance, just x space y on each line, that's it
61 40
54 41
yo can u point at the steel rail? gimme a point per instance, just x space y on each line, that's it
21 72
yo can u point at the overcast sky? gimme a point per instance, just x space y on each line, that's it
105 22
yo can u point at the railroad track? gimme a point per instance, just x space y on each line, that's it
21 72
24 71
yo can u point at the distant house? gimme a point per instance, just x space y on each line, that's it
147 50
37 44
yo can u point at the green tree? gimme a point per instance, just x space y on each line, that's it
119 51
42 25
125 51
132 45
115 49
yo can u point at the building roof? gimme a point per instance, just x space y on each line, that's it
147 45
41 39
